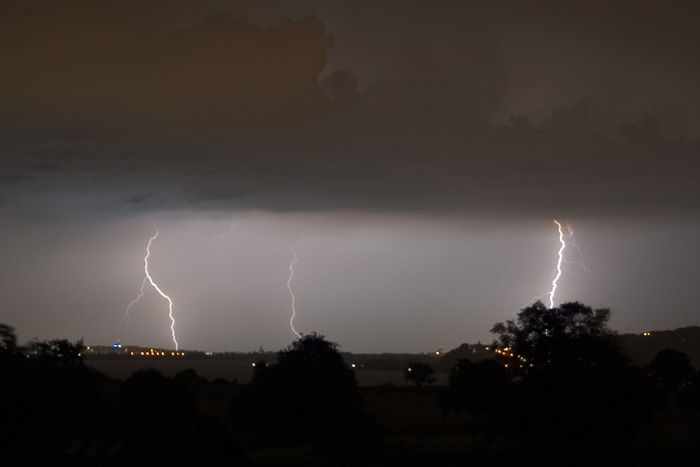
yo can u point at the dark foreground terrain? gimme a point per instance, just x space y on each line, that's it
584 404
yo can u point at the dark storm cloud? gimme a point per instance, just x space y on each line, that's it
512 108
78 62
440 139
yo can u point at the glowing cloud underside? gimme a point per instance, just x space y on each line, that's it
289 286
155 286
559 261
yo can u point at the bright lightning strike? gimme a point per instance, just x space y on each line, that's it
150 280
289 285
562 261
559 261
155 286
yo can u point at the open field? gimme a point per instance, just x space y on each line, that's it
418 433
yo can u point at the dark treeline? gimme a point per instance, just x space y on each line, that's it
58 411
561 391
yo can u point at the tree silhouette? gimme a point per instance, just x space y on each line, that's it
670 369
572 335
309 396
419 373
60 352
574 387
47 393
8 338
56 410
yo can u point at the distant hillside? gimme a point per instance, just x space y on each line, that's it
388 361
643 348
640 348
473 352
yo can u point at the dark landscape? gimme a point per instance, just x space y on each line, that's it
349 233
370 369
591 396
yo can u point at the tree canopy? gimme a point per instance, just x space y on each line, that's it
571 335
561 383
670 369
8 338
309 396
419 373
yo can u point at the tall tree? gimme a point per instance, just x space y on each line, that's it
574 387
419 373
571 335
670 369
309 396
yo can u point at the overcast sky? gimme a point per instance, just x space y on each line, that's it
415 155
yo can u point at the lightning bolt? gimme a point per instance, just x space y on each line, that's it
155 286
581 263
289 284
559 261
562 261
149 279
133 302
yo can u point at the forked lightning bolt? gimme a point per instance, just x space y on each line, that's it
289 285
562 261
155 286
150 280
559 261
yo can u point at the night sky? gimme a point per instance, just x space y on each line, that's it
415 154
